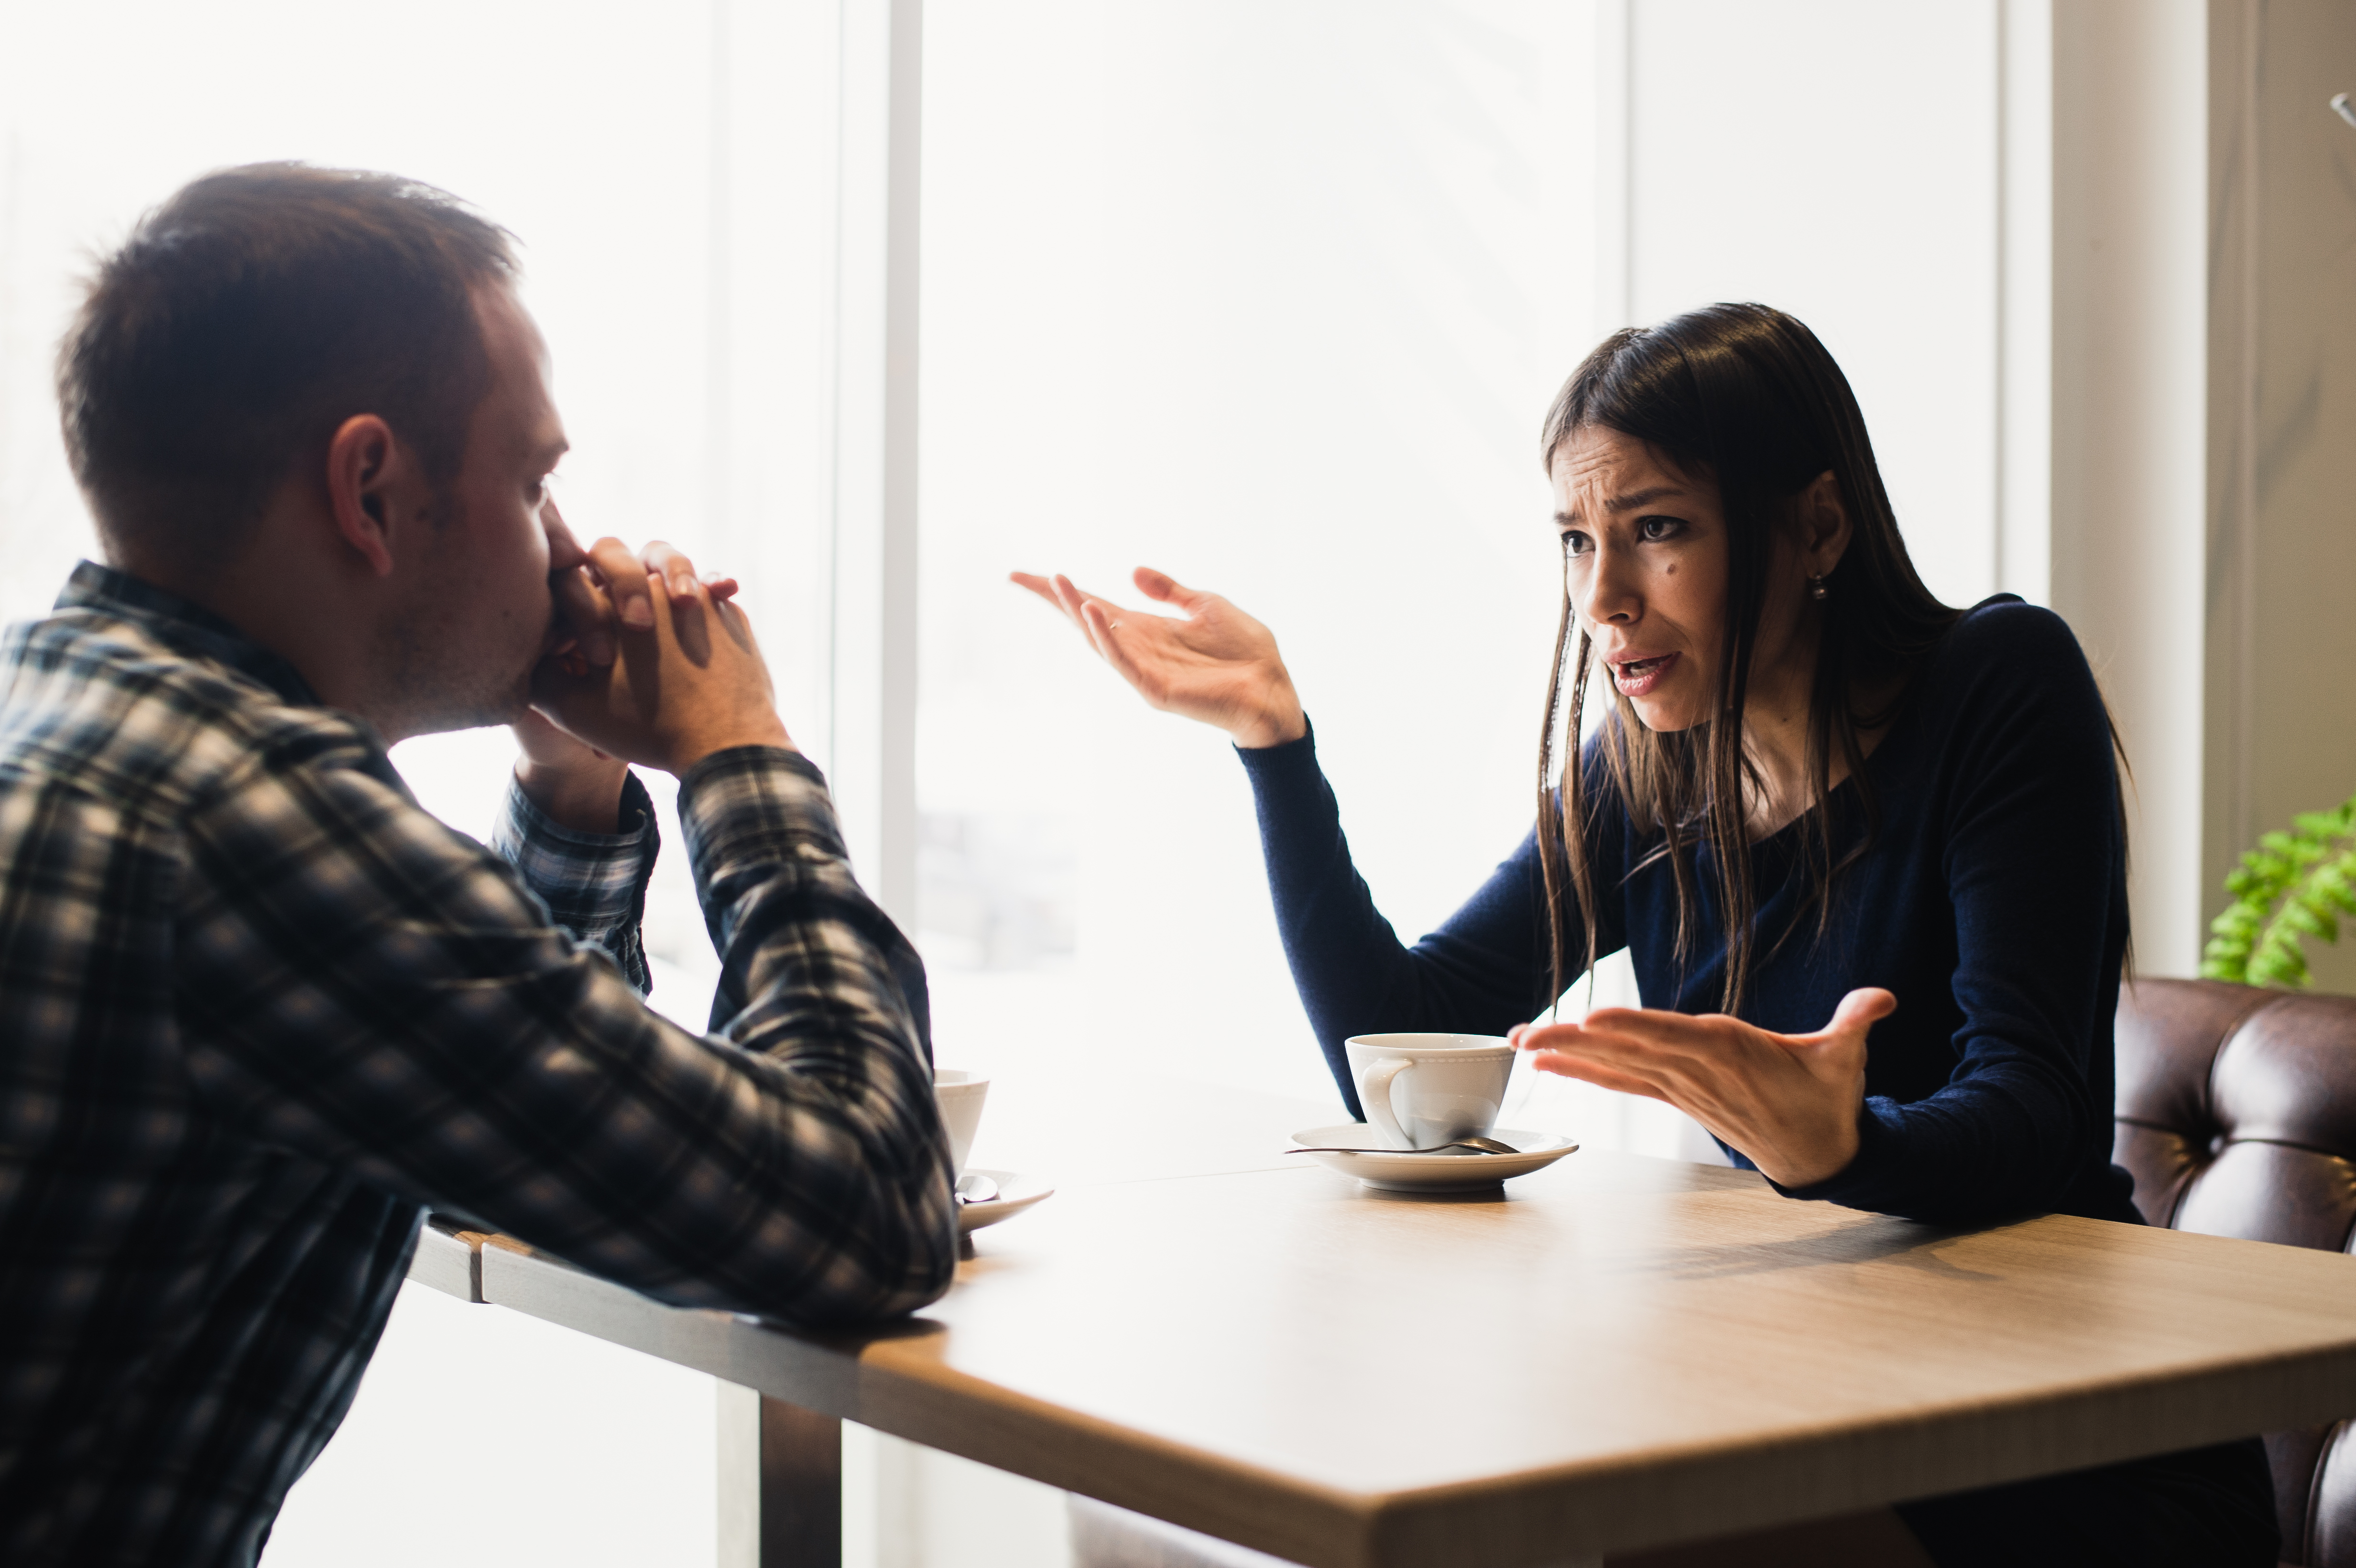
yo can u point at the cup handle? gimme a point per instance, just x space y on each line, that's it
1374 1098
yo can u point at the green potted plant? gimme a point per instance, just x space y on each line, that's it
2293 885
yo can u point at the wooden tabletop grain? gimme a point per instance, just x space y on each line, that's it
1614 1352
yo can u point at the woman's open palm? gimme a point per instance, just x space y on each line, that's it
1788 1100
1215 664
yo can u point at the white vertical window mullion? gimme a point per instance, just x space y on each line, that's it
873 656
2024 347
869 544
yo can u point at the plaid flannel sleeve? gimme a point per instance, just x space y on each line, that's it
365 987
594 884
745 812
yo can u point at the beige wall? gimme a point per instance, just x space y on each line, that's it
2280 692
2203 532
2129 237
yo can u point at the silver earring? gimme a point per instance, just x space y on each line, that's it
1816 587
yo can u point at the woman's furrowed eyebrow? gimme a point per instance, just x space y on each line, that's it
1628 503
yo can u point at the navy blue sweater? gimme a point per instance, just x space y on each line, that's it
1992 901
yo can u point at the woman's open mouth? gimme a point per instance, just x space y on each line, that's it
1635 677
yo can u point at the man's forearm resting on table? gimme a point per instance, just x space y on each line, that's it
460 1052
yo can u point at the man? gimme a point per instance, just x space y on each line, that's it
258 1010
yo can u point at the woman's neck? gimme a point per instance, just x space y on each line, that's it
1778 788
1775 741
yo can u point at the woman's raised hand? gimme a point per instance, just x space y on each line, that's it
1788 1100
1217 664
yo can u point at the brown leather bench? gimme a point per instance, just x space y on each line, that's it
2237 1116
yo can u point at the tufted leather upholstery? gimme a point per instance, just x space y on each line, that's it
2237 1117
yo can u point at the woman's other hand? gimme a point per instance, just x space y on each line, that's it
1217 665
1789 1102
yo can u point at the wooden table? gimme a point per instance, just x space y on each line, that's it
1613 1353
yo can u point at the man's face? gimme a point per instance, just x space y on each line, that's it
478 608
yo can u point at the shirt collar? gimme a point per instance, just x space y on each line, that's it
188 628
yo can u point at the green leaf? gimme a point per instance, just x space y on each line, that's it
2290 886
2227 956
2298 915
2279 965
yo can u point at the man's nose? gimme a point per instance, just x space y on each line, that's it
564 551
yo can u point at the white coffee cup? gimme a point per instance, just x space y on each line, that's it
1422 1091
959 1095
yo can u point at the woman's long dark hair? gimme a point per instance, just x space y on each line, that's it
1745 396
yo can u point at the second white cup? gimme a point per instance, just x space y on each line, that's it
959 1095
1422 1091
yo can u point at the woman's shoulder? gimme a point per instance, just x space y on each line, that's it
2004 627
2004 660
2005 639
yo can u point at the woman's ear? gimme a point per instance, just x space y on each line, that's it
1824 527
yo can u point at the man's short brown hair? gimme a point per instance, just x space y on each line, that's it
245 320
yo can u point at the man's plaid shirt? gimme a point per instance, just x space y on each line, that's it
258 1010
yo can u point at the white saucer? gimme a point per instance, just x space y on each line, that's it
1015 1193
1399 1170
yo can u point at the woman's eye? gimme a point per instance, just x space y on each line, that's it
1575 544
1652 530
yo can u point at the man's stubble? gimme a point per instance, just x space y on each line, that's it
444 667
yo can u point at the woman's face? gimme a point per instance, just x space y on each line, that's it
1646 557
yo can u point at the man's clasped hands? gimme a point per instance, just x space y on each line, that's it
646 662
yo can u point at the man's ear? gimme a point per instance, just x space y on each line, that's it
1824 526
372 486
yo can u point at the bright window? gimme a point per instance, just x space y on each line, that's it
1268 300
1270 294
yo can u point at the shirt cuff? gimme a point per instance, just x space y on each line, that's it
594 884
756 803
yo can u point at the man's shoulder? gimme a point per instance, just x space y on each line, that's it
104 704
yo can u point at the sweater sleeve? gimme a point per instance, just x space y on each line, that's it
2034 861
1484 970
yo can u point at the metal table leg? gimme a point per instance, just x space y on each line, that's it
781 1484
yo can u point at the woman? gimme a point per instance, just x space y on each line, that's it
1823 804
